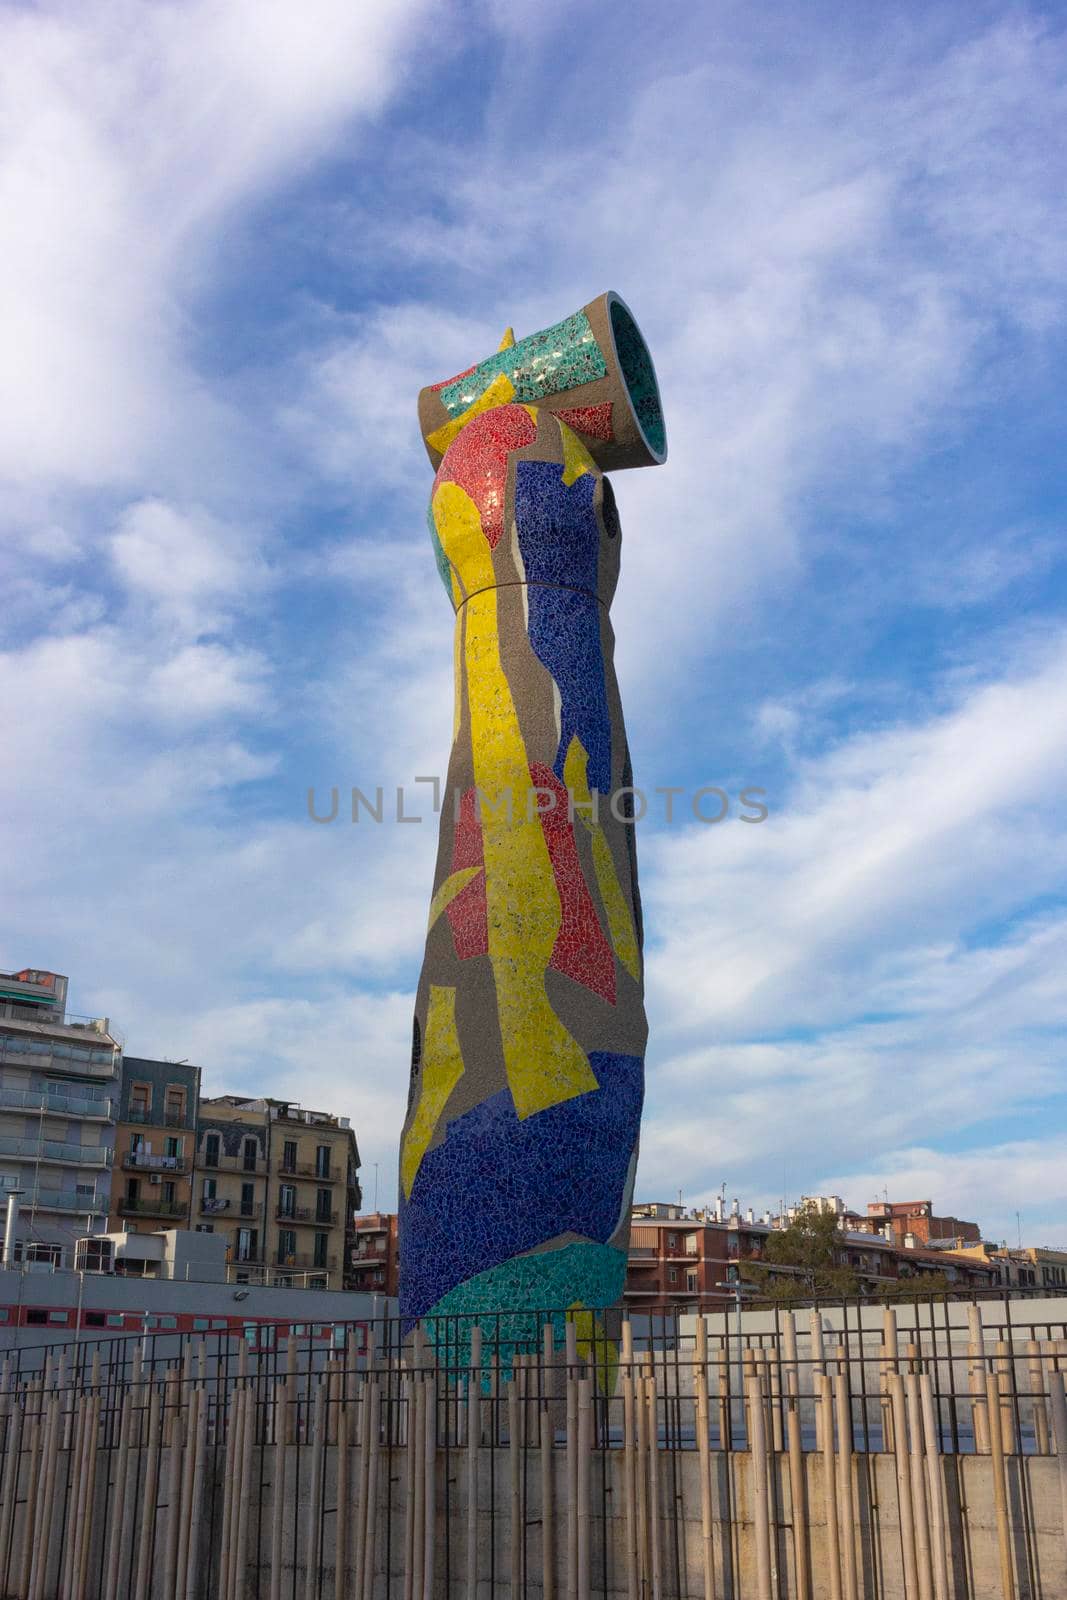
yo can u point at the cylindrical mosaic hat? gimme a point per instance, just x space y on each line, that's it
593 370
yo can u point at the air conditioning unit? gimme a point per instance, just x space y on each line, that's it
155 1178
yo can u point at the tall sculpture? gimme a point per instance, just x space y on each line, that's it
520 1142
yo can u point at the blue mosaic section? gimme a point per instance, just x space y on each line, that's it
559 540
592 1274
497 1186
541 365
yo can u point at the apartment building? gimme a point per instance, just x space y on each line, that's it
155 1143
281 1182
314 1190
231 1178
375 1260
59 1080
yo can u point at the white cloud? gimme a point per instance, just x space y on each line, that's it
133 132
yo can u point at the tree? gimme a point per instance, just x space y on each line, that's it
916 1286
811 1247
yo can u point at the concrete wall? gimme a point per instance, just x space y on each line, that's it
1038 1545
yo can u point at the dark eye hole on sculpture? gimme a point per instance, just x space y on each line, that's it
609 511
640 377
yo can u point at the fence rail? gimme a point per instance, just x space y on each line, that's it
543 1454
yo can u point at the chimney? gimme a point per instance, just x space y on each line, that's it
750 1215
10 1227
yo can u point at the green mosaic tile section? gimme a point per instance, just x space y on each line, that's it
591 1273
640 375
541 365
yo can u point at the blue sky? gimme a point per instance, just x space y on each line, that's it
239 240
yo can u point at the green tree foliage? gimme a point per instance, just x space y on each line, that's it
812 1248
916 1286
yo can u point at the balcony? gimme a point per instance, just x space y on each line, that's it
66 1200
309 1169
37 1050
148 1161
145 1116
307 1214
52 1104
212 1205
56 1154
149 1206
305 1263
235 1164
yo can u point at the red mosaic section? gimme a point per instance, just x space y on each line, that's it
581 950
594 421
477 460
467 913
444 383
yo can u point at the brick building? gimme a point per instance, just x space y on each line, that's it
901 1220
374 1264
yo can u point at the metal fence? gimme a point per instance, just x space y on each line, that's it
534 1453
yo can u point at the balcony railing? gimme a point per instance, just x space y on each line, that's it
149 1206
50 1150
307 1214
149 1161
99 1059
55 1105
211 1205
66 1200
310 1169
224 1163
305 1263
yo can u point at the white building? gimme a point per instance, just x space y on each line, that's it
59 1081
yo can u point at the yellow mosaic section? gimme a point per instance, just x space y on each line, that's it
454 884
499 392
593 1345
620 921
544 1063
442 1068
576 458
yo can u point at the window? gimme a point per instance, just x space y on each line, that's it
286 1245
137 1142
36 1318
322 1244
248 1199
211 1150
289 1156
168 1191
247 1239
672 1274
115 1319
133 1190
287 1200
691 1282
175 1104
322 1161
323 1208
205 1227
95 1319
211 1188
251 1155
140 1101
173 1147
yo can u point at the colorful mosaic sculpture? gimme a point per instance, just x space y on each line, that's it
520 1143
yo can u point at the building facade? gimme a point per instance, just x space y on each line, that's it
281 1183
59 1082
314 1190
155 1145
230 1181
375 1260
